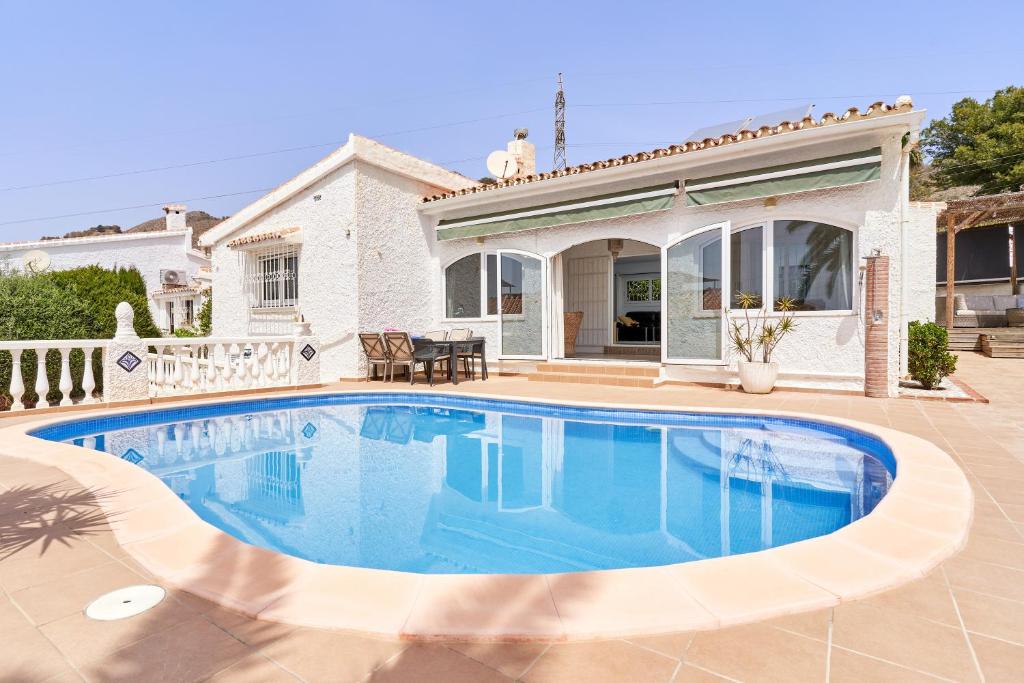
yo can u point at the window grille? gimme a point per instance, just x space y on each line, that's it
272 277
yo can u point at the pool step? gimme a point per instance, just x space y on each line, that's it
609 374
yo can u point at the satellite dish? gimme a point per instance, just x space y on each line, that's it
36 261
502 165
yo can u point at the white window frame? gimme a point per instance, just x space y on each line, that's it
256 281
639 277
484 276
723 228
767 225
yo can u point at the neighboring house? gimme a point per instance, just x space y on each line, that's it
171 266
648 246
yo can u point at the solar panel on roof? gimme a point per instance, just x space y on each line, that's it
750 123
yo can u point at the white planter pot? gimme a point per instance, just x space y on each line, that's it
757 377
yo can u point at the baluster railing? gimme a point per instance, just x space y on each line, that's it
69 380
173 367
205 364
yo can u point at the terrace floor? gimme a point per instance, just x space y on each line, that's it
964 622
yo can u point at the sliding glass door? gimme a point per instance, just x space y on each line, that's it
695 301
522 281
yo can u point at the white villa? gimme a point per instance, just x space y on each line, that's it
651 247
175 273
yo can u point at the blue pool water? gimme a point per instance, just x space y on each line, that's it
432 484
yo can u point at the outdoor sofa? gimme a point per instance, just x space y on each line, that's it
979 310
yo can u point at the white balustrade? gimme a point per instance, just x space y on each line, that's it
68 378
185 366
197 365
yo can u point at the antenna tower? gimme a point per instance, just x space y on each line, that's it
560 163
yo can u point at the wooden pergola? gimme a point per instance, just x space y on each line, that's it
963 214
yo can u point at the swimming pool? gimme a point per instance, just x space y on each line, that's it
438 484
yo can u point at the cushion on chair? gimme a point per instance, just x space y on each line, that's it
1004 301
979 302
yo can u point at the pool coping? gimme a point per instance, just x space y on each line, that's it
922 520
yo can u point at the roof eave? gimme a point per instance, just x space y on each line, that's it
357 148
909 120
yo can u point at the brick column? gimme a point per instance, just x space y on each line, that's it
876 323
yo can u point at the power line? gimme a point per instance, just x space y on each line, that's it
206 162
769 99
254 155
360 105
137 206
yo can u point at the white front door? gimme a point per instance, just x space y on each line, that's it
522 285
695 297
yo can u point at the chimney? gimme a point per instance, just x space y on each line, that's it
524 152
174 216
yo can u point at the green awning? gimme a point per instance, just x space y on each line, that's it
817 174
614 205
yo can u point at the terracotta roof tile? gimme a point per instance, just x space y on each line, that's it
828 119
263 237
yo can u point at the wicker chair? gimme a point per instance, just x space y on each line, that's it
403 353
572 324
376 352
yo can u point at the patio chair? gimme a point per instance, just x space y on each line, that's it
464 352
402 353
376 352
436 335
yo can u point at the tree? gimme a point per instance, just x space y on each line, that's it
980 143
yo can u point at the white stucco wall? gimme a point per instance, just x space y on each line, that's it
328 292
365 221
396 282
150 252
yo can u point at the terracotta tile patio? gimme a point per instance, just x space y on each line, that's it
964 622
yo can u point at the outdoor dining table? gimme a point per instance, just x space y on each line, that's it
448 347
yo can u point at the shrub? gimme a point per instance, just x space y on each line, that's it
929 361
185 332
69 304
102 290
206 316
36 307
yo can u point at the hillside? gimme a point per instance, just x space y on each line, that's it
199 221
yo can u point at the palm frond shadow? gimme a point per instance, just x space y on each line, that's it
47 515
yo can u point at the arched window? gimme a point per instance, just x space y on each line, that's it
813 265
471 287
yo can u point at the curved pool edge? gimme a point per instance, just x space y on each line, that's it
924 519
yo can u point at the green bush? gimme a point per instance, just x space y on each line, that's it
102 290
929 361
70 304
185 332
206 316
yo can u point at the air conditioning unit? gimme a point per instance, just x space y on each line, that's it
173 277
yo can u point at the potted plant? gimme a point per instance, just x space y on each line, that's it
755 338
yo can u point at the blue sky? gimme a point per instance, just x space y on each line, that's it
102 88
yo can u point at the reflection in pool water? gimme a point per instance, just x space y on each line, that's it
447 485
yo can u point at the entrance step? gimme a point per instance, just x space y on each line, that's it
1003 344
607 380
602 368
645 352
609 374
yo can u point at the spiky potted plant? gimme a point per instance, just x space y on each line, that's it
755 338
